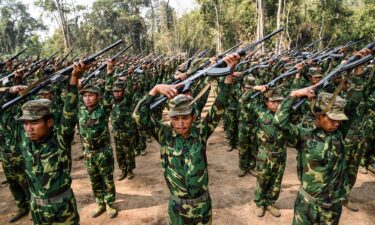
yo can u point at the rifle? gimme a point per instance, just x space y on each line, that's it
288 73
214 70
66 56
208 62
314 43
56 77
25 69
13 57
50 58
103 66
190 60
16 55
138 67
349 64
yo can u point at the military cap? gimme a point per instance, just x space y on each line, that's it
336 112
249 81
45 90
315 72
36 109
274 95
180 105
90 88
196 63
118 86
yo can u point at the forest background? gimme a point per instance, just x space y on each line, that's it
154 25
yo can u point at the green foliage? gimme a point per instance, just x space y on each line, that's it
17 28
153 25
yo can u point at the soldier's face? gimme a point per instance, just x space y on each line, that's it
273 105
327 124
314 80
182 124
90 99
37 129
46 96
117 95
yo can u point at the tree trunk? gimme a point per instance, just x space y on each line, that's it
63 24
322 25
278 22
218 29
260 13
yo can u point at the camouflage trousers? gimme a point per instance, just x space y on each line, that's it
270 169
141 140
59 213
354 147
15 174
231 126
247 147
368 131
100 166
308 213
184 214
125 156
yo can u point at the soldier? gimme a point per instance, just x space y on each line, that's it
247 144
12 159
94 132
271 157
124 129
324 170
183 149
47 161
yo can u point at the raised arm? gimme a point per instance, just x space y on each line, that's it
142 113
69 116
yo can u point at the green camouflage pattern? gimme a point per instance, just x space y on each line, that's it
97 149
271 157
185 214
307 213
12 158
323 165
184 160
48 167
247 142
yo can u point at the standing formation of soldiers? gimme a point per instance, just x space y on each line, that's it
332 131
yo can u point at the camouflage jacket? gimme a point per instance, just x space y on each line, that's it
93 125
9 136
183 160
121 113
271 138
48 161
324 169
245 113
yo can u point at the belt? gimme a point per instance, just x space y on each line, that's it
313 200
192 201
55 199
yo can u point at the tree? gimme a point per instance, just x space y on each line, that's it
59 10
17 27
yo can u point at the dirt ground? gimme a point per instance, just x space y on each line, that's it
144 199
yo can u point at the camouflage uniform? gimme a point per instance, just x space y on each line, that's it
271 157
184 160
324 169
95 138
48 164
124 131
247 143
231 117
12 158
